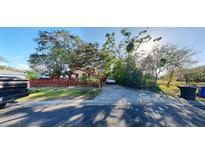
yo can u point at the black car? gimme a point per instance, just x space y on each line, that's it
12 88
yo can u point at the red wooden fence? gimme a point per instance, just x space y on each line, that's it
60 83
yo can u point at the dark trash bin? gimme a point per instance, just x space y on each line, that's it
188 92
201 92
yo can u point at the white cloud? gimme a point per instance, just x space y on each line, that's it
3 63
23 67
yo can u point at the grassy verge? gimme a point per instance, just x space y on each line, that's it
174 91
42 94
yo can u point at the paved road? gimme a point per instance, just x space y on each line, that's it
115 106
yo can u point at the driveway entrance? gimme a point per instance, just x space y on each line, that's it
115 106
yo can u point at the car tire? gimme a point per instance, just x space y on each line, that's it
2 105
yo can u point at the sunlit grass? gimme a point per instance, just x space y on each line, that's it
172 90
41 94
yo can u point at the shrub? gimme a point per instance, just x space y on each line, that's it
90 79
32 75
93 80
119 72
136 79
83 78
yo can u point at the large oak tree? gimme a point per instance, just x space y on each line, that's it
59 52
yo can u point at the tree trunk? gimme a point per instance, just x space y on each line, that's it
170 78
129 66
155 80
156 76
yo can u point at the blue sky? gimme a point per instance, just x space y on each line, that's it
16 44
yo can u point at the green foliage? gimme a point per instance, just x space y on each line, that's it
162 62
42 94
32 75
177 58
83 78
105 62
196 74
119 72
124 50
194 77
58 52
93 79
136 79
90 79
125 62
149 81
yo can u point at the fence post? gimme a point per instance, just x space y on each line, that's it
100 84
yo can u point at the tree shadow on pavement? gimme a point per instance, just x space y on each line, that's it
105 115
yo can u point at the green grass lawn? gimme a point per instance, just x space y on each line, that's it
173 90
42 94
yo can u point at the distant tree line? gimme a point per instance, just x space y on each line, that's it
59 53
3 67
196 74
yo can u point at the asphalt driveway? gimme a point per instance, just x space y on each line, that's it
115 106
